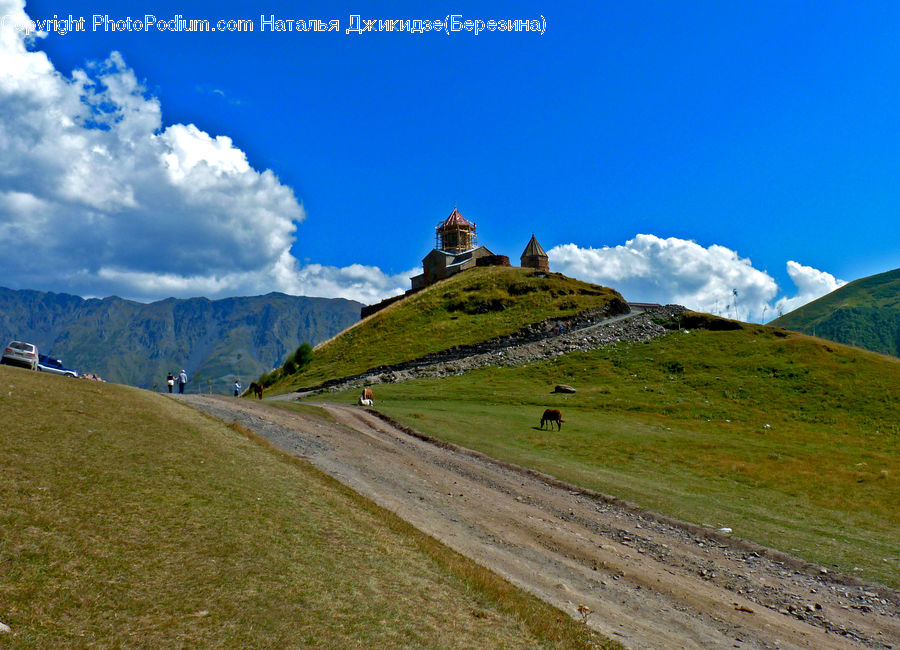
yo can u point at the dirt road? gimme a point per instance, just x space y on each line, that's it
649 582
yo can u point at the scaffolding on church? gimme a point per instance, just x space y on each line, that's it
455 234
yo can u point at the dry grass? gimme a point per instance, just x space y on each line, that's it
128 519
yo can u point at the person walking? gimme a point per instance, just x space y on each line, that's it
237 387
182 380
170 381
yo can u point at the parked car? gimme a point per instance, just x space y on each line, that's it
49 364
21 354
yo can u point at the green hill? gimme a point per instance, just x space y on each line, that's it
468 308
136 343
788 440
864 313
128 519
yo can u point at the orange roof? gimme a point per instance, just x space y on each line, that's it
455 219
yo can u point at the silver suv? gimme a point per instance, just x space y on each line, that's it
20 354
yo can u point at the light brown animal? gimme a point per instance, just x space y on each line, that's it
550 416
368 394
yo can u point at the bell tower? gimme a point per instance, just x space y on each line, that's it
455 234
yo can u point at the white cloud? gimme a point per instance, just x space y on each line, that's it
651 269
96 197
367 284
811 284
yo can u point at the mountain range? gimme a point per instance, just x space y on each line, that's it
217 340
138 343
864 313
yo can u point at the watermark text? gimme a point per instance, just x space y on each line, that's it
357 25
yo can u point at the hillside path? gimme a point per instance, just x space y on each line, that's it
648 581
539 342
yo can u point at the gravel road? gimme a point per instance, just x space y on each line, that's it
648 581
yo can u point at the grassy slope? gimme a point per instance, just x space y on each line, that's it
865 313
166 528
468 308
679 425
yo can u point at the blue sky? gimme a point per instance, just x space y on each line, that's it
675 151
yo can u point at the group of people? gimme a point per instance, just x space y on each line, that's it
181 379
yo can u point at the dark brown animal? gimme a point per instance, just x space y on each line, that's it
255 389
550 416
368 394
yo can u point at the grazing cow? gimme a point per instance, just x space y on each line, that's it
362 401
550 416
255 389
368 394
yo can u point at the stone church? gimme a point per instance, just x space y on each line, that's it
456 249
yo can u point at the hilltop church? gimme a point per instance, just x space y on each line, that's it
456 249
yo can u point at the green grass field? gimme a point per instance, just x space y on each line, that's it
130 520
468 308
790 441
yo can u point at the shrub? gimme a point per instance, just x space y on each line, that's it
303 356
694 320
479 304
674 367
298 361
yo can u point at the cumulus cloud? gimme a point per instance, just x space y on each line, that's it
97 197
367 284
648 268
811 284
712 279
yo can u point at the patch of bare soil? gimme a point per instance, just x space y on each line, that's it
646 580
